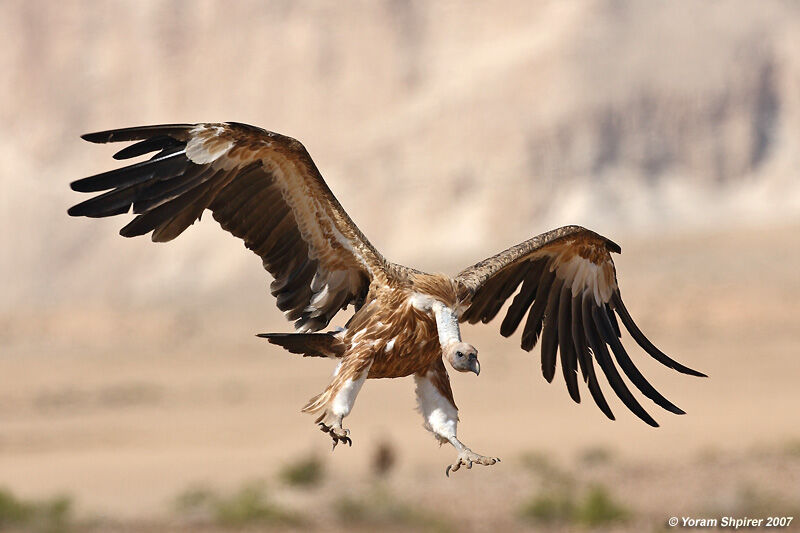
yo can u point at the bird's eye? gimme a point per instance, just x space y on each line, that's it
459 354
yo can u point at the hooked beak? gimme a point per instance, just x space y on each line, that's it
474 365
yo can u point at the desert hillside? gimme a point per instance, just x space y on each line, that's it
447 132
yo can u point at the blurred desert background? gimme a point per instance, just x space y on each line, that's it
134 395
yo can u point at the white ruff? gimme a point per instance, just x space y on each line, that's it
446 318
441 417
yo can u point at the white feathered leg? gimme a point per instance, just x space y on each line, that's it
434 399
338 399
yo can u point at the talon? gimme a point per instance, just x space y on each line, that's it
469 458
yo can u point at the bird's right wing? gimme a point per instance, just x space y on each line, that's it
260 186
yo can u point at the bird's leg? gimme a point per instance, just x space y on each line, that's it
339 397
467 457
435 399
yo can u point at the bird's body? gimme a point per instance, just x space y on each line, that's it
264 188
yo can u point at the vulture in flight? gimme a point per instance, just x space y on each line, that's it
265 189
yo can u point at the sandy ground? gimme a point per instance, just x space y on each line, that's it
122 410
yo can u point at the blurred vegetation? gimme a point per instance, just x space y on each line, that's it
305 472
792 448
596 456
42 516
250 505
546 469
756 502
593 507
561 501
379 509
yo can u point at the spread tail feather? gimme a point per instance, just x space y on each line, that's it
308 344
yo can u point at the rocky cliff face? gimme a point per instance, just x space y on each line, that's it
477 128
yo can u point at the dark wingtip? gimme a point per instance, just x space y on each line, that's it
271 337
644 342
77 186
98 137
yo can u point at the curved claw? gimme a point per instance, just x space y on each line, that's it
336 436
469 458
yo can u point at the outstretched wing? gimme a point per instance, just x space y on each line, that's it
260 186
570 295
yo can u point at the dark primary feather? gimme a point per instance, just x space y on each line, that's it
645 343
550 331
153 144
585 357
159 168
607 365
566 344
177 131
533 326
606 330
522 301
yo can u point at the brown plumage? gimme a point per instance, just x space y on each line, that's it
264 188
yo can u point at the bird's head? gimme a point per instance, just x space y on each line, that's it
463 357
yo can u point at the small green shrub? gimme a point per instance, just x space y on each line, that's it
792 448
598 508
547 471
596 455
47 516
306 472
554 508
381 509
195 500
250 505
594 507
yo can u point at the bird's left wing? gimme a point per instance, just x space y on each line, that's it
570 295
260 186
